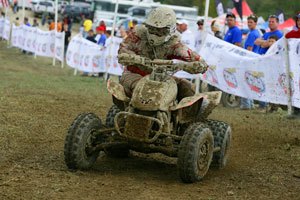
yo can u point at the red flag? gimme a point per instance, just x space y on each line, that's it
5 3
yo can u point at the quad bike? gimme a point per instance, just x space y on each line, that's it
153 121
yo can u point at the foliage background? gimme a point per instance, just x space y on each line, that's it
259 7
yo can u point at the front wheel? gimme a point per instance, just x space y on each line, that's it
79 142
195 153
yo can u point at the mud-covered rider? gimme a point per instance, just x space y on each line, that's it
157 39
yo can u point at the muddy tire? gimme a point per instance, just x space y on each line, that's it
116 151
195 153
79 137
109 122
230 100
222 138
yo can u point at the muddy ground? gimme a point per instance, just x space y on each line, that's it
38 102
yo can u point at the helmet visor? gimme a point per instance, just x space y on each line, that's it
158 31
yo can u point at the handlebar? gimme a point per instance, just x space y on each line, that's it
190 67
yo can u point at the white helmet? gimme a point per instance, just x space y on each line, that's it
161 25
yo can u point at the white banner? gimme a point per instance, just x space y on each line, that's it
29 36
111 52
246 74
45 43
6 30
59 45
85 56
16 31
294 53
2 21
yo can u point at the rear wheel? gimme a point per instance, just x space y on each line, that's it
78 149
230 100
120 151
222 138
195 153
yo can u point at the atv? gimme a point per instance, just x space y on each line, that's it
153 121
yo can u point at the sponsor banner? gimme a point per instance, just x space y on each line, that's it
111 53
6 30
294 54
59 45
45 43
90 57
246 74
72 55
28 38
2 22
15 34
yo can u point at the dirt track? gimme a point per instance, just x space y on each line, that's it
38 103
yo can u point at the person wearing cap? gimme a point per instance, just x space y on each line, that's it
263 42
234 34
247 104
215 28
187 36
101 37
199 35
295 33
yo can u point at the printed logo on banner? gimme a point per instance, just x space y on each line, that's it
230 78
211 75
81 60
44 48
28 43
96 61
58 51
69 55
255 82
52 47
14 40
33 44
282 82
86 60
76 58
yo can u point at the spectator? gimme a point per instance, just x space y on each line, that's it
132 25
295 33
264 44
26 22
87 26
187 36
102 24
52 26
17 22
67 36
35 23
45 16
91 36
247 104
215 28
15 7
234 34
199 35
101 37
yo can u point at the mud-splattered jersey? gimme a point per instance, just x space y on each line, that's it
137 43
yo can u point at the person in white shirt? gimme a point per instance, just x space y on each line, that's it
187 36
199 35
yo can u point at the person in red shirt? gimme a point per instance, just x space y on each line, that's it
296 32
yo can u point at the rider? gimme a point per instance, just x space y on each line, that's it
157 39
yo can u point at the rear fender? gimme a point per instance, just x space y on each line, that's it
117 90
